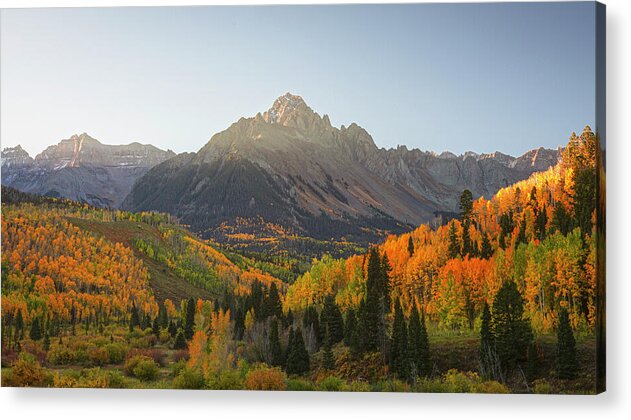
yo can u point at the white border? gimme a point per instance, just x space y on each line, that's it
53 404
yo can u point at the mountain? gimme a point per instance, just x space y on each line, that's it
293 169
81 168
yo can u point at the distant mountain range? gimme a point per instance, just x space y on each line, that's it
287 166
82 169
292 168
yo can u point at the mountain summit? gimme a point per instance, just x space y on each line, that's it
292 111
290 167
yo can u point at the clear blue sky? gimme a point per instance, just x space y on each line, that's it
457 77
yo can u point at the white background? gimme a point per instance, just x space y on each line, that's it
615 403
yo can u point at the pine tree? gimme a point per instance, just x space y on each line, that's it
331 320
180 341
298 358
371 311
36 331
272 305
414 344
290 346
155 327
189 320
454 249
567 363
410 246
276 352
487 344
486 250
467 246
134 319
328 360
424 354
385 284
466 205
310 319
521 236
46 341
399 361
350 327
512 333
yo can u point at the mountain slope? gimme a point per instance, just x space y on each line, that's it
292 168
81 168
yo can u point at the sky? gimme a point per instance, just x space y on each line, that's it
455 77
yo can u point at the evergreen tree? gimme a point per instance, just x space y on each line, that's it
467 246
385 284
424 354
134 319
328 360
155 327
276 352
415 344
331 320
272 305
310 319
239 324
36 331
298 358
350 326
288 319
189 320
172 328
19 327
512 333
410 245
486 250
488 355
371 308
180 341
46 341
466 205
567 363
454 249
399 361
290 346
521 236
532 365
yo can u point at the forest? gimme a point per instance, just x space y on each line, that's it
500 299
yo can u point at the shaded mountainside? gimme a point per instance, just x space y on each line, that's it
81 168
293 169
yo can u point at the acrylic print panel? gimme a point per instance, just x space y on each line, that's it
404 198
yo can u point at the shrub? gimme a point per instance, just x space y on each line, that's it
93 378
331 383
64 381
189 378
179 355
164 337
394 385
157 355
116 352
359 386
300 385
132 362
541 386
228 379
61 355
265 378
26 371
146 370
98 356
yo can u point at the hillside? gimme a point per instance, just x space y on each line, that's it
537 232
